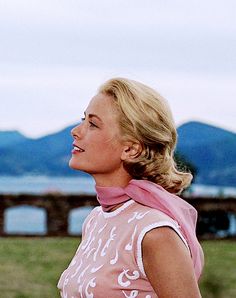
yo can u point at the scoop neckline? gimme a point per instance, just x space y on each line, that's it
118 210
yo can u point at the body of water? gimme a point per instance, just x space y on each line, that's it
32 220
45 184
73 185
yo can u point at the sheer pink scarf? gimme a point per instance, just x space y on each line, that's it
152 195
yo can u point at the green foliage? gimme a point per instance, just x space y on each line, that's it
31 267
218 280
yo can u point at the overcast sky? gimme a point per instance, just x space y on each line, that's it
55 54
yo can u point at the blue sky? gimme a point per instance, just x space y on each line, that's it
55 54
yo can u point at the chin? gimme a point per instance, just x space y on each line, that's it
73 165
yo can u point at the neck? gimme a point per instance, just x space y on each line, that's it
112 181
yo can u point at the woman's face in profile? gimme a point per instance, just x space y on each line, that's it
97 143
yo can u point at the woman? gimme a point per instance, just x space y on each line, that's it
141 241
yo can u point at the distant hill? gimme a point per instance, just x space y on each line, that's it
211 150
8 137
48 155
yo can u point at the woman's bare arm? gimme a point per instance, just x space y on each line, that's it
168 265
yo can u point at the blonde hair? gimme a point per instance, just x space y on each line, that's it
144 116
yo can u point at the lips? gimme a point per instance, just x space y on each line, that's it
77 148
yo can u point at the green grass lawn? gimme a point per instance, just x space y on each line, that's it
30 267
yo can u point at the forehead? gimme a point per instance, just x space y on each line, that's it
102 105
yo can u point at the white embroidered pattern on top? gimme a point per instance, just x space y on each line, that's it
102 228
97 250
82 274
111 238
77 269
129 246
138 215
98 255
124 274
114 261
85 288
89 238
95 269
133 294
91 284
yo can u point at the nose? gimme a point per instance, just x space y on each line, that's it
76 131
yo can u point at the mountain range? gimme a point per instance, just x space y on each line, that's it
211 150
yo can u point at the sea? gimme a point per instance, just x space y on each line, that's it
32 220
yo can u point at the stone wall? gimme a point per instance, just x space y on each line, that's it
58 207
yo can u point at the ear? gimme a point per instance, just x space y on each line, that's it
131 150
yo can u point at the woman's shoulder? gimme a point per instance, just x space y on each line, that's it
93 213
150 214
90 218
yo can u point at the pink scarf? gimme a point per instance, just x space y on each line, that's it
152 195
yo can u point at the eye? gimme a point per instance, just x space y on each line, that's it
92 124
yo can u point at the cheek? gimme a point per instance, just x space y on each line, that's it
114 151
106 142
109 150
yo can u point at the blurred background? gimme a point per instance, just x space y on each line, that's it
53 57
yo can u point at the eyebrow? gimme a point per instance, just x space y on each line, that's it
93 115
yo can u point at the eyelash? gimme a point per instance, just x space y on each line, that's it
90 122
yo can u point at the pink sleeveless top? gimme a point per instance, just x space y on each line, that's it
108 262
